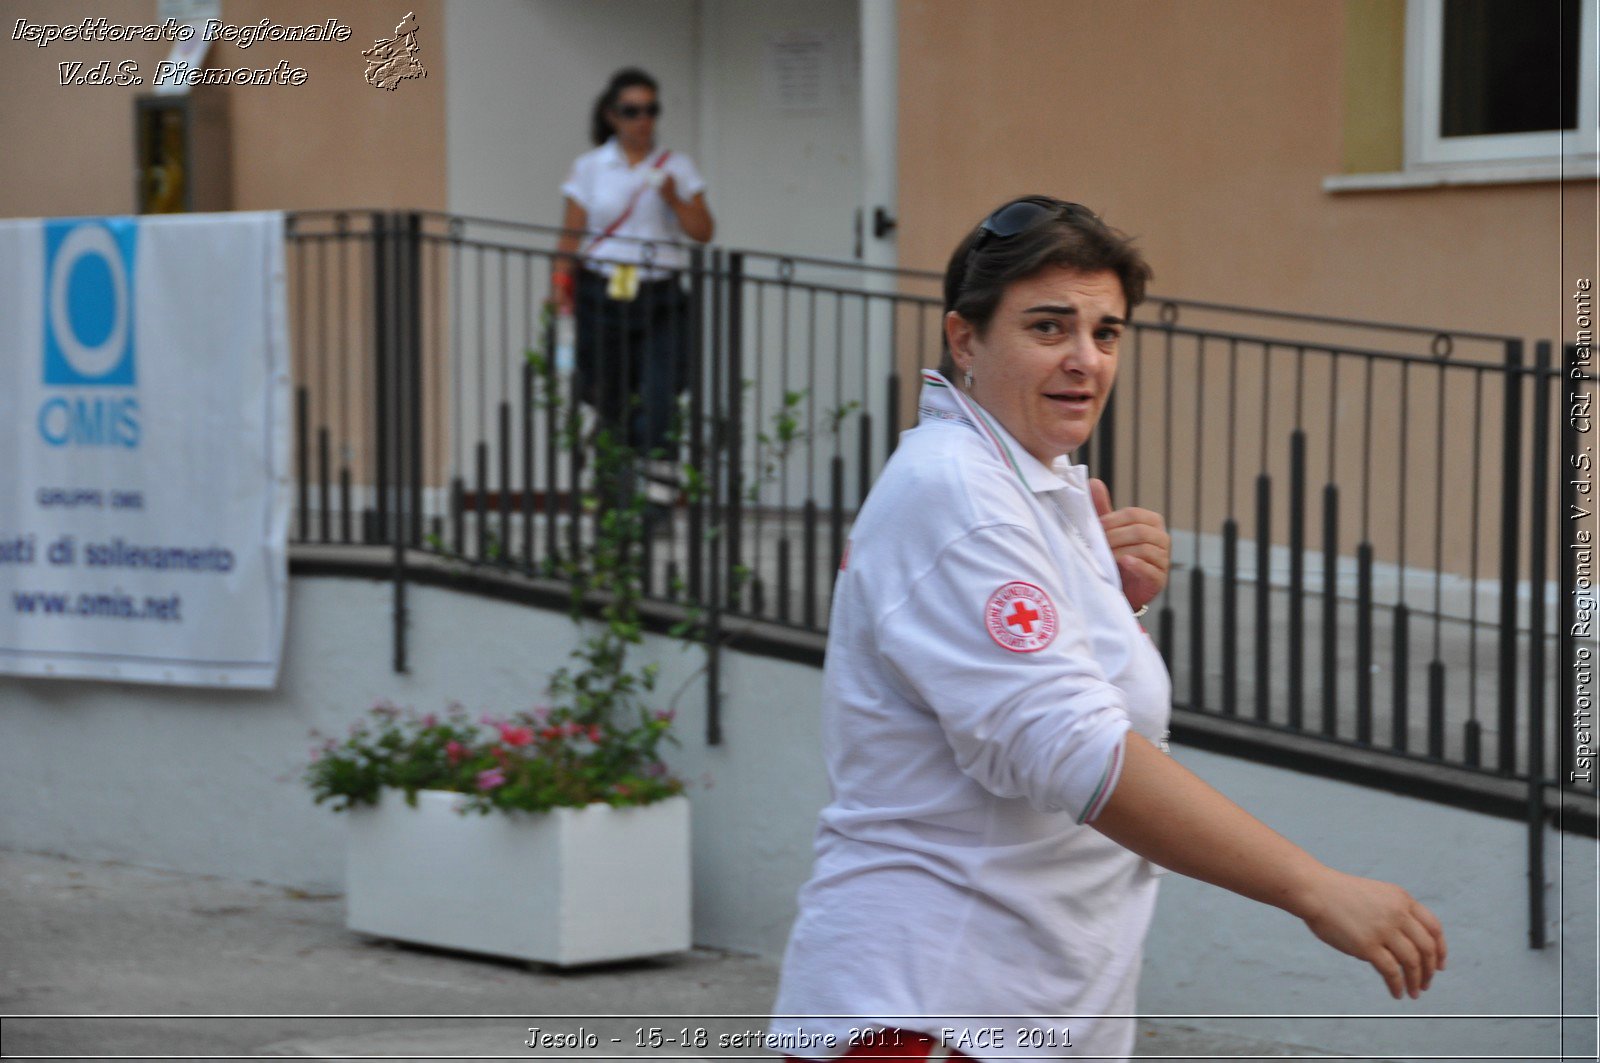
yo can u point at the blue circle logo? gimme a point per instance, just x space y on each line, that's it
91 300
88 308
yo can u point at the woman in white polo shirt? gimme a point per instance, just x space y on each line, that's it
994 713
631 208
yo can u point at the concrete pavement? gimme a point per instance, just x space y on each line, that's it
130 956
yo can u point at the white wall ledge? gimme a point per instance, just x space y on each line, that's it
1485 174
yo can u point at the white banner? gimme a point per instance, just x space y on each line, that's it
144 448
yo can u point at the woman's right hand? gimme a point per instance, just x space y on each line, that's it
1167 814
1380 923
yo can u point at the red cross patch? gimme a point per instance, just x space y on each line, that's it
1020 617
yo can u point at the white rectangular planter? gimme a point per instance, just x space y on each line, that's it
570 886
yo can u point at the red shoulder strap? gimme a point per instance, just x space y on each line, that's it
627 211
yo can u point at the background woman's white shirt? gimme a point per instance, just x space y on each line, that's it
602 182
955 872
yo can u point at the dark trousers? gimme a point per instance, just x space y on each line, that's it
633 360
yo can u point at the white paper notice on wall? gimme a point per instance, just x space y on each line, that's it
800 71
188 10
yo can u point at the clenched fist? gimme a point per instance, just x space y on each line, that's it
1140 543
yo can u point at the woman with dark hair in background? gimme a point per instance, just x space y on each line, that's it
631 205
994 717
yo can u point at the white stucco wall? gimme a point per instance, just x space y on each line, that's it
782 180
206 781
525 73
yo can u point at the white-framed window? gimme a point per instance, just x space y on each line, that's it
1497 82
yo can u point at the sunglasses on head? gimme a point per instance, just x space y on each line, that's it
1018 216
630 111
1010 219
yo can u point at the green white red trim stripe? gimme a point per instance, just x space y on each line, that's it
1102 789
934 379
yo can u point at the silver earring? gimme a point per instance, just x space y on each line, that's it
967 379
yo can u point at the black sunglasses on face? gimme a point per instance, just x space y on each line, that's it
630 111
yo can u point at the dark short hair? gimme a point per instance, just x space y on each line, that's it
627 78
1069 235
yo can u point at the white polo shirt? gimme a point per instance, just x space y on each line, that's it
983 669
602 182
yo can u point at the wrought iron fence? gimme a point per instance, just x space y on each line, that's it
1367 518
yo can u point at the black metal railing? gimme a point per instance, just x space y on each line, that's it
1368 519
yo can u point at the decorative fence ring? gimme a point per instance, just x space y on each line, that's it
1443 346
786 270
647 254
1168 314
341 223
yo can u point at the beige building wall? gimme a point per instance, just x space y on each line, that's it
1206 129
334 141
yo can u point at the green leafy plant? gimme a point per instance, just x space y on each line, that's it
837 414
599 740
775 444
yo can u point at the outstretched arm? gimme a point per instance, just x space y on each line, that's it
1166 813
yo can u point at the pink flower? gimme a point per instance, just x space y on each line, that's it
515 736
574 729
550 734
488 721
666 715
493 777
595 734
455 751
430 720
541 713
